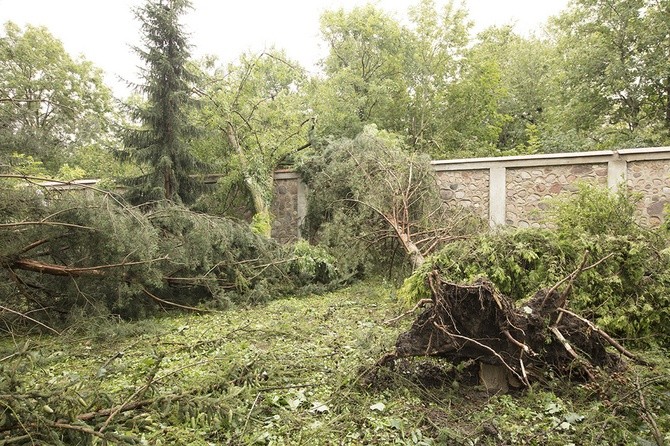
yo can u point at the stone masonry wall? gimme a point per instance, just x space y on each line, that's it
652 180
504 190
511 190
285 208
467 188
528 188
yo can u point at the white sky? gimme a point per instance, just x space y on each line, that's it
104 30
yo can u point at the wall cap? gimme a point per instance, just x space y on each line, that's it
552 159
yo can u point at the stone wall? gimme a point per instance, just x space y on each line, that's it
288 206
506 190
527 189
650 178
467 188
513 190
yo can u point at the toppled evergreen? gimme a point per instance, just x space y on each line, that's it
63 254
537 301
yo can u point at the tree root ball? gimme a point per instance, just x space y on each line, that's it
514 345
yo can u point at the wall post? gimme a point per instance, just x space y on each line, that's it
617 172
497 195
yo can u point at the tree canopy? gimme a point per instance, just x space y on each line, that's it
52 106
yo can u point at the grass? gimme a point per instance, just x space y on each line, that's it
293 372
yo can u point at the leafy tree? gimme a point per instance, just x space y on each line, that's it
51 105
254 117
472 121
162 138
612 84
524 66
364 71
438 40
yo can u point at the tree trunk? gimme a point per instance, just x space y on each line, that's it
262 219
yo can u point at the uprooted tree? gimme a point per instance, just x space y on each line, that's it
513 345
601 277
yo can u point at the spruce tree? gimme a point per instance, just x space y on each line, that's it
161 141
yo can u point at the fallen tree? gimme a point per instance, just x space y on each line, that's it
65 253
518 334
376 198
513 345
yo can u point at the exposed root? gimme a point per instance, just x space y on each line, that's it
476 322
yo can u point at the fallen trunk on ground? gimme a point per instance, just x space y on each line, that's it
513 345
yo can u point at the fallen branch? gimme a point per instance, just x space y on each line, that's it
173 304
572 352
88 416
25 316
139 393
420 304
52 269
45 223
648 416
621 349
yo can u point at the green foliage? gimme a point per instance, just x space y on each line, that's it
253 118
370 190
609 86
594 210
293 372
413 289
312 264
261 223
23 164
51 105
161 138
62 253
626 292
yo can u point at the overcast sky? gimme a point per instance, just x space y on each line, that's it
104 30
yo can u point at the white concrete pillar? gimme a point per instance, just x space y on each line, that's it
617 173
497 196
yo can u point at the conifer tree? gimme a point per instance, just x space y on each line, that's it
161 141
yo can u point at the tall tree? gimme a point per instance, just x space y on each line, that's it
161 139
524 65
614 81
51 105
364 81
438 41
